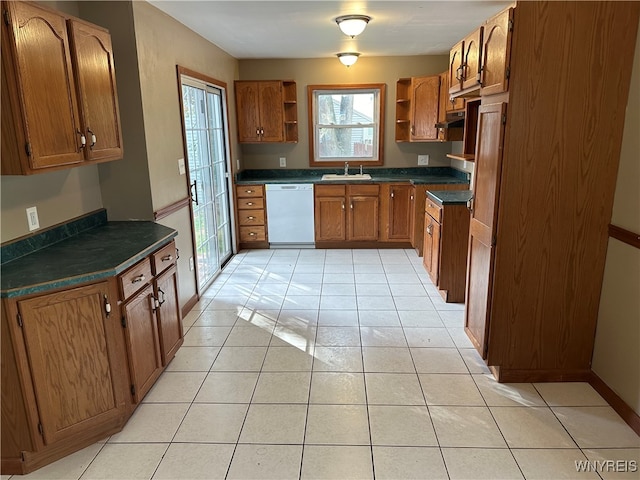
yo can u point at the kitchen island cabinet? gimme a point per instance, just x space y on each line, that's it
83 320
74 118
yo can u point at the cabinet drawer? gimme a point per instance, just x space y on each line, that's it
253 234
330 190
363 189
250 203
249 190
135 278
251 217
433 209
164 258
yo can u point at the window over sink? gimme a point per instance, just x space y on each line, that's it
346 124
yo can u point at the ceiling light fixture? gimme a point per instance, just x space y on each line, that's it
348 58
352 25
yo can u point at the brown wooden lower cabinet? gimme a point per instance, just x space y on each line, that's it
76 361
346 213
397 212
446 235
64 374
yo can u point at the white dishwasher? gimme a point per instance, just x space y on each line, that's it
290 215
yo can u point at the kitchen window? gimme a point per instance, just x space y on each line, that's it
347 124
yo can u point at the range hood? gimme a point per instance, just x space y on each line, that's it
453 120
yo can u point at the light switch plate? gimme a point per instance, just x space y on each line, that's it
32 218
423 159
283 161
181 168
191 264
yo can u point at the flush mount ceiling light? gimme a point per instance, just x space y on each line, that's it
348 58
352 25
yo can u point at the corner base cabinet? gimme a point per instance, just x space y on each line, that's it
77 361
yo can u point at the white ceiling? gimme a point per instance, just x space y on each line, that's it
307 29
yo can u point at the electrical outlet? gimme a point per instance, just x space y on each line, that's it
32 218
181 168
423 159
238 164
283 161
191 264
464 164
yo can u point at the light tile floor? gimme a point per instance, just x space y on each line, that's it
346 364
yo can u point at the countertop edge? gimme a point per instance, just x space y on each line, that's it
87 277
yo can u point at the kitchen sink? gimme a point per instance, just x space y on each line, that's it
342 176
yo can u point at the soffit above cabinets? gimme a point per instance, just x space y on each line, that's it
307 29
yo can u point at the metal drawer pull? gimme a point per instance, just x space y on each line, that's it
167 258
250 203
251 218
138 279
343 205
252 234
248 191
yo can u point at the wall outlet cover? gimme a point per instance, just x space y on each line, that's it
283 161
423 159
32 218
181 167
191 264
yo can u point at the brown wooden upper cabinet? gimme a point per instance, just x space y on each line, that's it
59 97
266 111
479 64
496 54
417 108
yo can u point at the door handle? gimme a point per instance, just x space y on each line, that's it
194 192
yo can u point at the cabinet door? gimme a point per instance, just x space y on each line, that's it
483 222
496 54
400 212
434 273
363 218
46 85
143 345
247 111
169 315
427 243
471 60
456 67
70 349
424 105
97 93
330 219
271 108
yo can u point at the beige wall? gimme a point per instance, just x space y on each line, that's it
161 44
330 71
616 357
59 196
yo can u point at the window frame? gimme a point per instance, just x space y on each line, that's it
312 91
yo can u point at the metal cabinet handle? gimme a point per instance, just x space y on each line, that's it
138 279
248 191
160 302
252 234
351 205
470 203
262 131
391 193
251 218
167 258
153 301
430 229
411 197
93 138
343 205
249 203
257 131
83 139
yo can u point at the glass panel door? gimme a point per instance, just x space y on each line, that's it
205 120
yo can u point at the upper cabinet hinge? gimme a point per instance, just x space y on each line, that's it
40 429
494 240
5 14
123 322
508 72
504 119
511 24
133 390
20 324
27 148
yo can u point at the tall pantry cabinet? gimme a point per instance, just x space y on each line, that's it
549 134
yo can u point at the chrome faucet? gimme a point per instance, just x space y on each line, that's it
346 168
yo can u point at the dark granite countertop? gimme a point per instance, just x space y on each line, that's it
415 176
97 253
450 197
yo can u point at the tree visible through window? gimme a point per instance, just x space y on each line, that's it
346 124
